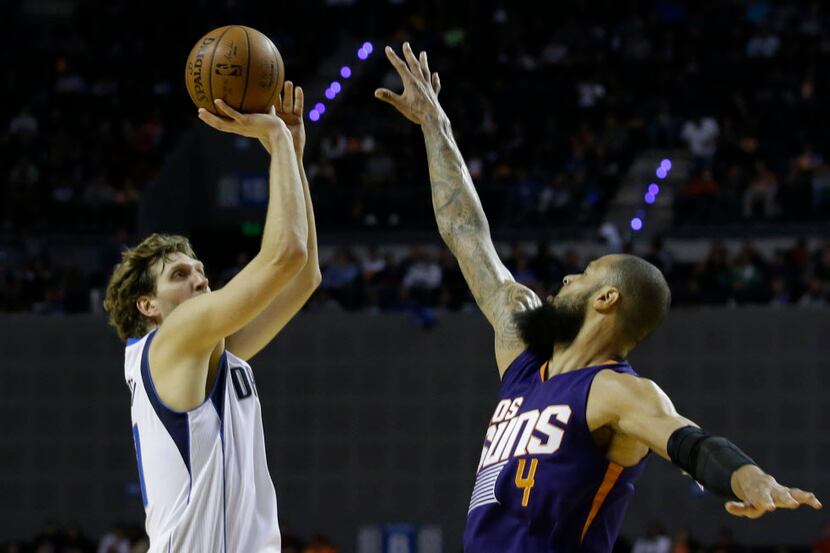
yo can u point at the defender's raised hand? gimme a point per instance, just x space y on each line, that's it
419 99
762 494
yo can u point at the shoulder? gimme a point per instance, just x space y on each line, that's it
510 299
616 385
613 393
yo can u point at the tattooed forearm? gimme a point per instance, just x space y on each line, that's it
460 217
454 199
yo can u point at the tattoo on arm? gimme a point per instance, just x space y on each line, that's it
507 333
458 212
464 228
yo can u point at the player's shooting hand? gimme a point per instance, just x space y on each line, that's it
761 494
290 110
262 126
419 99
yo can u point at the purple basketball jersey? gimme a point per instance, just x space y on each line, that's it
542 483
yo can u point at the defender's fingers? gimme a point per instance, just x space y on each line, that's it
288 97
436 83
806 498
411 60
425 72
299 100
398 64
388 96
762 500
784 500
741 509
228 110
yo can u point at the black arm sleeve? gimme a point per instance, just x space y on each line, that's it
708 459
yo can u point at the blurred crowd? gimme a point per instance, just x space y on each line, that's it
422 279
549 112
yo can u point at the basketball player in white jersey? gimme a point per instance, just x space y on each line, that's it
196 415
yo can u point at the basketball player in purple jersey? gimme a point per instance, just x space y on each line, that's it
574 423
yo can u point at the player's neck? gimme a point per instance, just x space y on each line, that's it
592 346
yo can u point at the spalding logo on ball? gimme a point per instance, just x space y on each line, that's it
238 64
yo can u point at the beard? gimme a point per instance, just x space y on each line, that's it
550 324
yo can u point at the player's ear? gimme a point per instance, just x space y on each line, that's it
607 300
147 306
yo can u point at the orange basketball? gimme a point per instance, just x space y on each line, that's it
238 64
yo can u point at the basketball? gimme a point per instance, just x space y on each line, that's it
238 64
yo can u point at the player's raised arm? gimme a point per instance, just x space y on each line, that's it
458 212
198 325
637 407
254 336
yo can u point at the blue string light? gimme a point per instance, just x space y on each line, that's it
335 87
650 197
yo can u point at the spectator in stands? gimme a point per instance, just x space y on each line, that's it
682 542
114 541
655 540
725 543
700 200
701 134
761 192
422 279
342 279
748 279
763 44
714 276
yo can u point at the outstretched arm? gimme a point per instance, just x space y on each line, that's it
458 212
254 336
637 407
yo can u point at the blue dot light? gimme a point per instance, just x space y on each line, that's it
362 54
661 173
314 115
649 198
636 224
653 189
368 48
666 164
330 94
345 71
320 108
336 87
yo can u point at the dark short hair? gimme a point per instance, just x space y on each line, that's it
646 297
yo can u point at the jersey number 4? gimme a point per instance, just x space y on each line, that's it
526 483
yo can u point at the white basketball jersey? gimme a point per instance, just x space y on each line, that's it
204 477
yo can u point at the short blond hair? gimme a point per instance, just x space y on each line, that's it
133 278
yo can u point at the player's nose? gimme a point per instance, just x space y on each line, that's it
201 283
